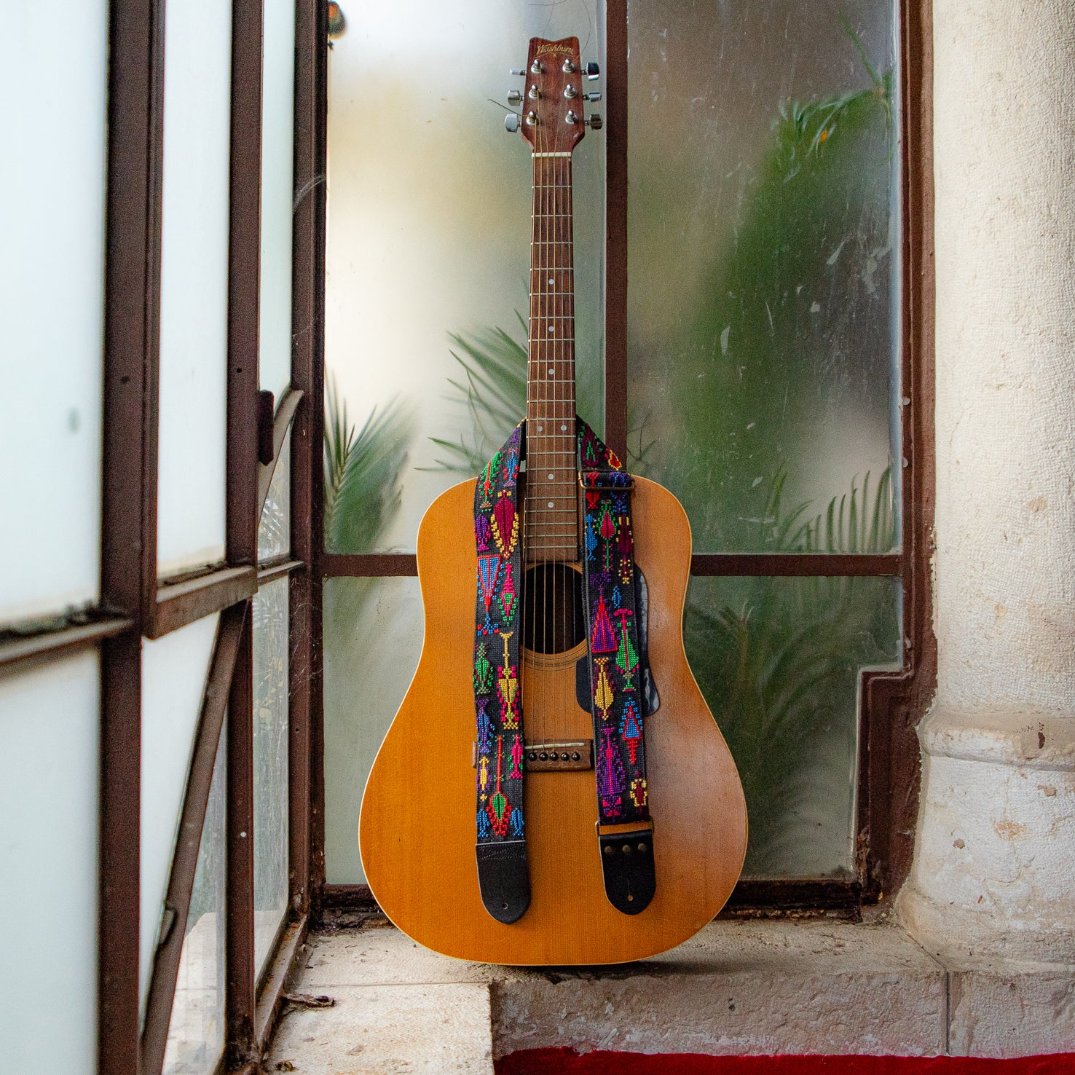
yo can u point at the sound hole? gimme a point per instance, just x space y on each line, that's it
554 619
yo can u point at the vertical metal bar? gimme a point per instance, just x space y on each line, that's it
308 304
239 988
306 466
894 704
242 522
129 496
616 226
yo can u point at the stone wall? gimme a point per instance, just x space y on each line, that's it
994 870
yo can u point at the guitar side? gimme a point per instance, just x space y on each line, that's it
417 828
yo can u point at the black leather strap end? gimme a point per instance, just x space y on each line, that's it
504 879
627 863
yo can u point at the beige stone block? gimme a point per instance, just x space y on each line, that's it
389 1030
1002 1014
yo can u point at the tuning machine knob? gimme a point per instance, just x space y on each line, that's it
592 70
515 97
511 122
517 71
594 95
594 122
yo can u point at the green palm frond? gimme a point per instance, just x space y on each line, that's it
363 472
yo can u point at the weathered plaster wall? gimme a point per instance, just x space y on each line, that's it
994 872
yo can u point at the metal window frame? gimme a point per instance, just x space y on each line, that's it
892 703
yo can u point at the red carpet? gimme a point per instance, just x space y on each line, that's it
567 1062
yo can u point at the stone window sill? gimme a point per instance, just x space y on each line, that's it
738 987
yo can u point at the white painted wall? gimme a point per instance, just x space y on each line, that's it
994 873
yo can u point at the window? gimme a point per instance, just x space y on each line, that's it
742 264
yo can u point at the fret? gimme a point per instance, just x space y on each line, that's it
551 512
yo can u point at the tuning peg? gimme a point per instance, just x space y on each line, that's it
595 122
515 97
511 122
518 71
592 70
594 96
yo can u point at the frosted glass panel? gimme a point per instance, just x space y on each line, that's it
49 724
372 637
274 530
174 671
763 239
194 284
51 293
778 660
196 1030
428 251
270 765
277 150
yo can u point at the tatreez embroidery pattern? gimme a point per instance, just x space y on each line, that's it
612 615
613 631
497 695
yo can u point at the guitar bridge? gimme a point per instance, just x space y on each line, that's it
557 755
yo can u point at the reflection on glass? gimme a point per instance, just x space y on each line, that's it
762 258
274 530
270 765
196 1030
779 661
428 252
373 633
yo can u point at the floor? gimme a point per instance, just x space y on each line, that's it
738 987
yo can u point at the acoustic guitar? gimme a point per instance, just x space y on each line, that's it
553 789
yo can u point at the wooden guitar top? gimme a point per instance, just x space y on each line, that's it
417 828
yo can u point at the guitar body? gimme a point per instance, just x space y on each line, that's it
417 829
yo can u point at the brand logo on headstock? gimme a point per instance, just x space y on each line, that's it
552 47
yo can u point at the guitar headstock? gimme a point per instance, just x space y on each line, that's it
552 99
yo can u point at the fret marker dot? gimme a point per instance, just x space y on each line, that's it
552 282
540 429
552 329
551 371
551 503
563 429
551 476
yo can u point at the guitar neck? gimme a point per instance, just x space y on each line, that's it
551 497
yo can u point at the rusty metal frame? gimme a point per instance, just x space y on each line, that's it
892 703
162 984
128 515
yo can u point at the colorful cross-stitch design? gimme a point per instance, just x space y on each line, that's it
609 570
497 698
612 628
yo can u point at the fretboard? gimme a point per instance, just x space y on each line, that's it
551 483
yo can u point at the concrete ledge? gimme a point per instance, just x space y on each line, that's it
738 987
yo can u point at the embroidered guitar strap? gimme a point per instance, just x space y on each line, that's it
616 657
503 873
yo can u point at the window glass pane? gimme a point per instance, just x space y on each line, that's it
763 239
373 633
428 254
174 671
274 530
52 288
270 764
277 149
194 284
196 1030
779 661
49 725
